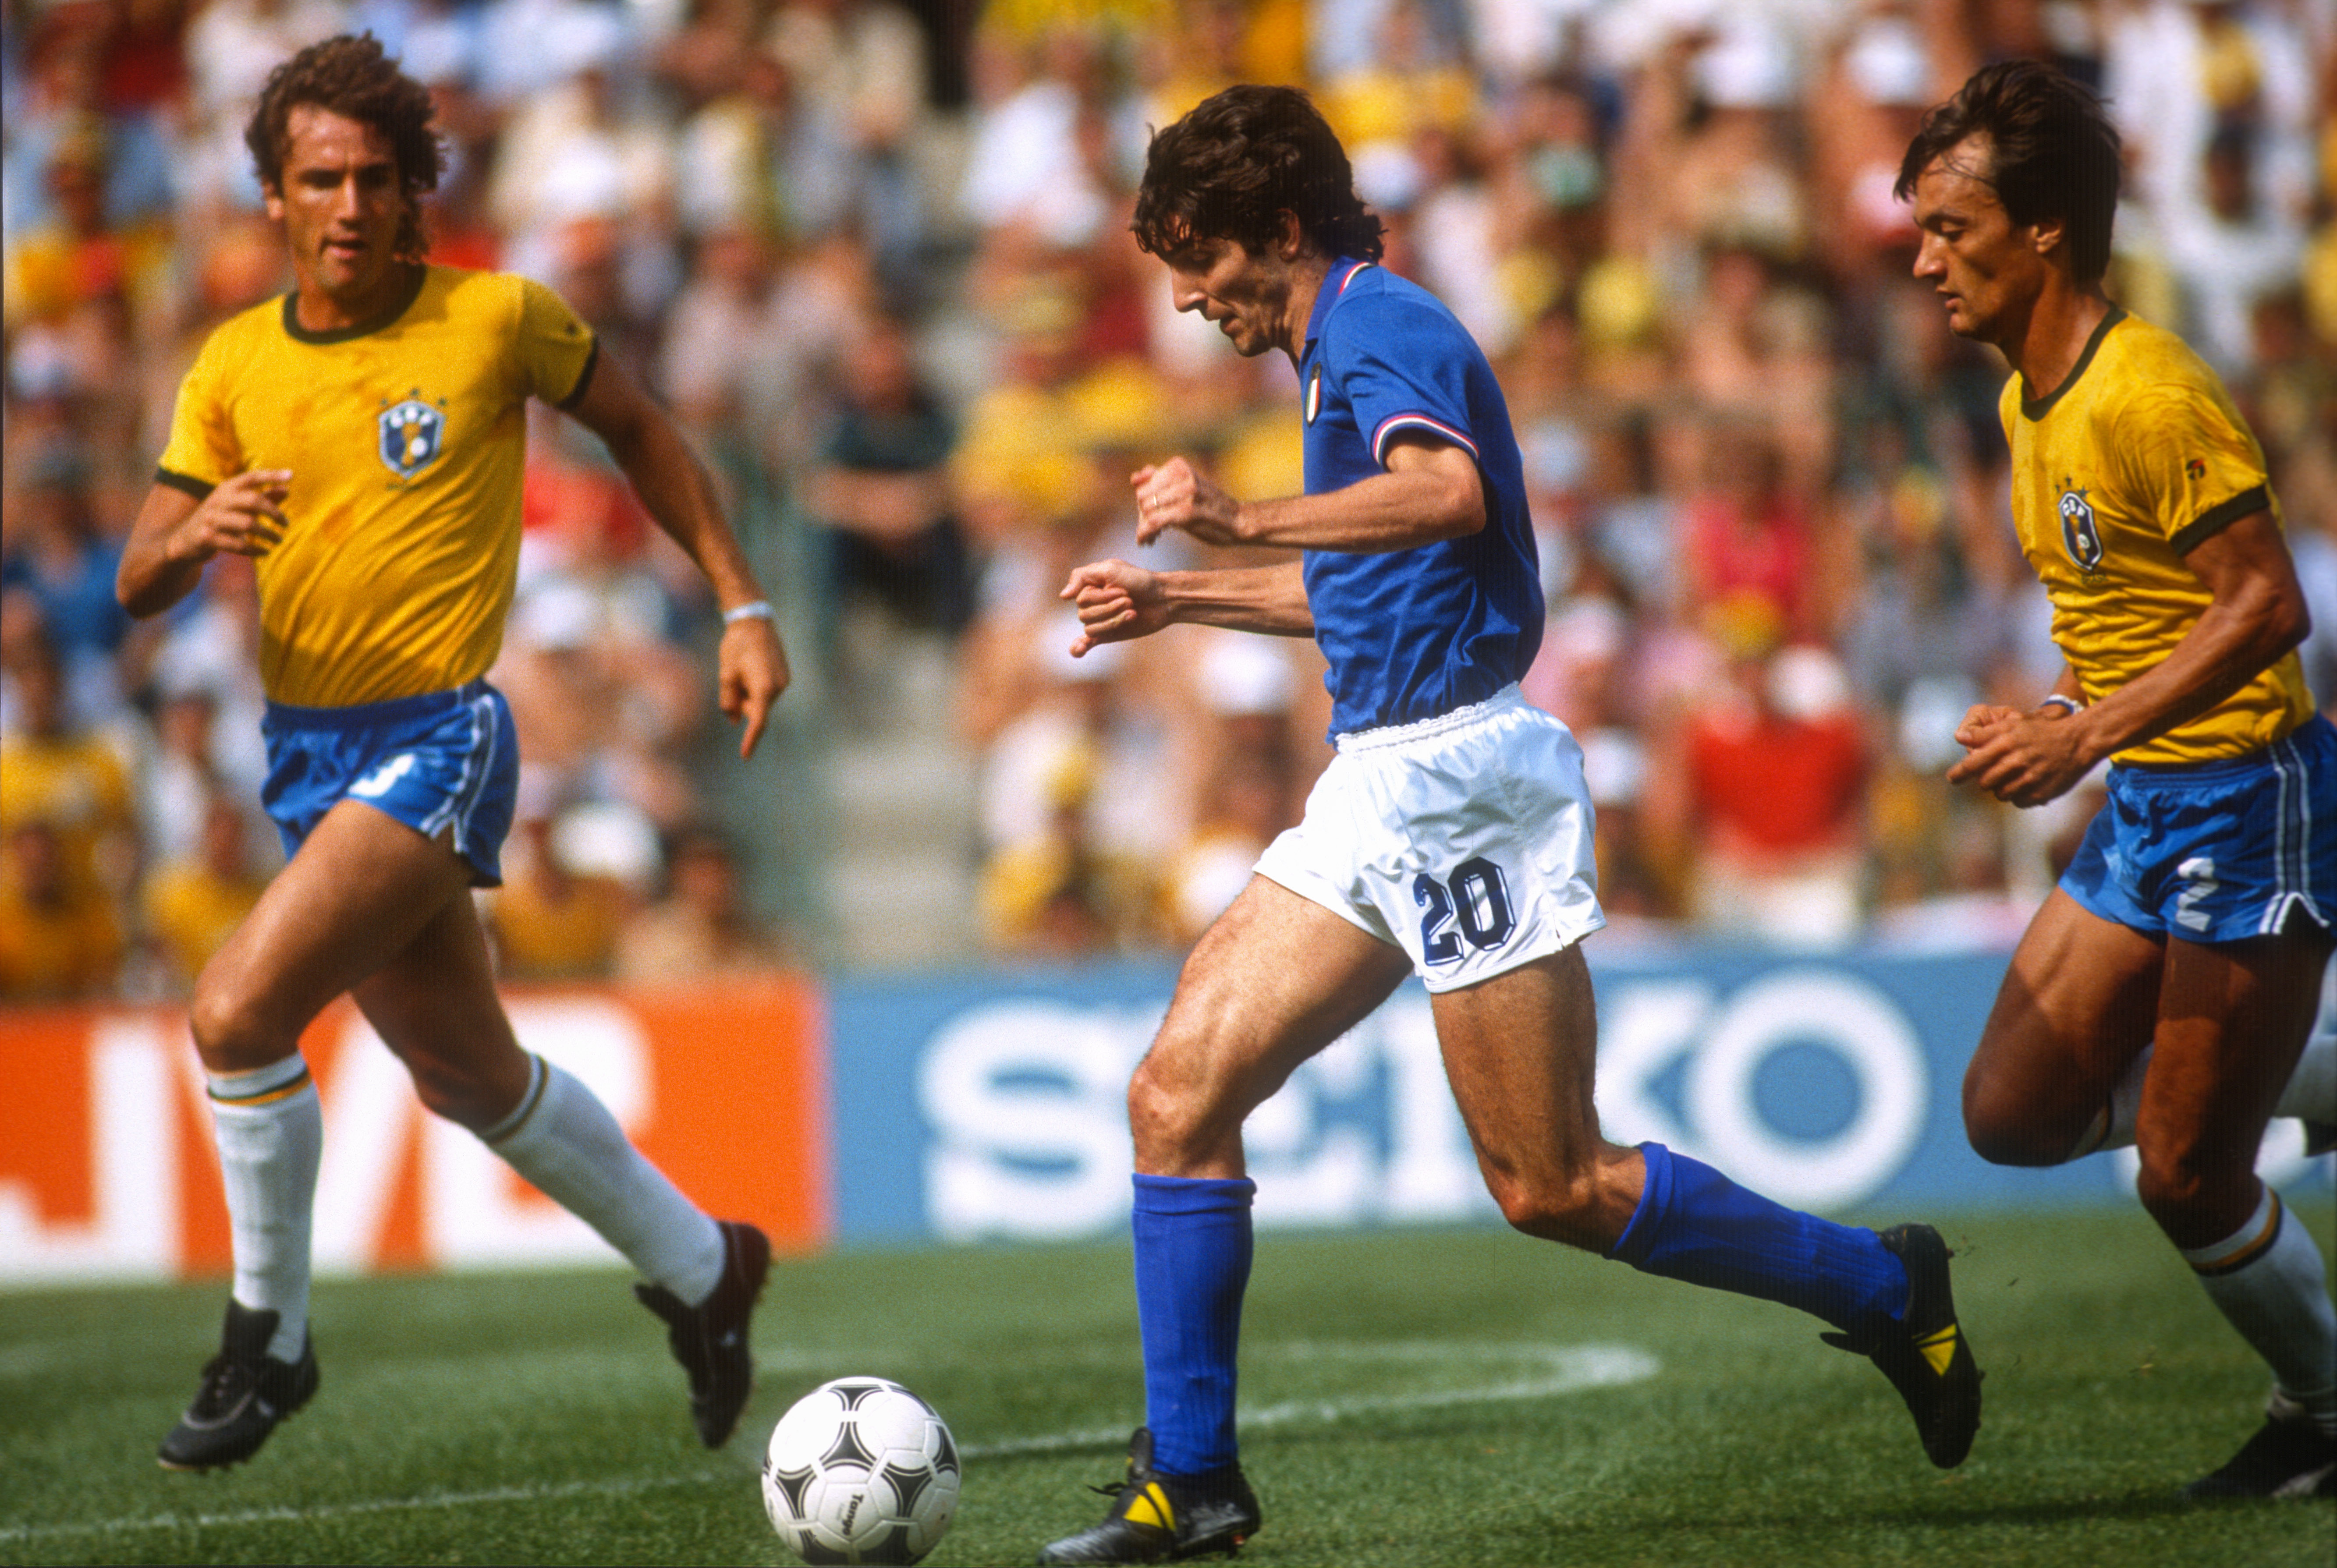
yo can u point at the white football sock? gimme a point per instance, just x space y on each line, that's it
270 1131
563 1139
2113 1124
2266 1278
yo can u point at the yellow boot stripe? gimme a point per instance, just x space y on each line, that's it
1151 1507
1939 1348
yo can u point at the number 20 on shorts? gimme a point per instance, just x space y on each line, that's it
1476 898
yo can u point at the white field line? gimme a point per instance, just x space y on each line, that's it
1566 1370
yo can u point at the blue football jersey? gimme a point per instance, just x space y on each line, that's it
1412 634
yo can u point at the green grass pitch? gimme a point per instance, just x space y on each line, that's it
1458 1396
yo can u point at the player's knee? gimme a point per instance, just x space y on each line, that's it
1169 1108
2004 1132
1555 1207
234 1029
452 1090
2172 1187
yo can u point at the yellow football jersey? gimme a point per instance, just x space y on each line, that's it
2136 459
405 439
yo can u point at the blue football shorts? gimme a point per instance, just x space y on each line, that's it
2218 850
446 760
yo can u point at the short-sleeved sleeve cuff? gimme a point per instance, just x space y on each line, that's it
1396 423
583 378
201 489
2217 518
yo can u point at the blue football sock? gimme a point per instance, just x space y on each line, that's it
1693 1223
1192 1264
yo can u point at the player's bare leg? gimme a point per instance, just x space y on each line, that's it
2233 1019
436 1005
356 893
1272 982
2079 1005
1520 1048
1520 1051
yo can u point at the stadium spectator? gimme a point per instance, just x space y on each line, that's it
701 930
195 902
882 488
550 921
69 780
1677 219
1772 770
59 937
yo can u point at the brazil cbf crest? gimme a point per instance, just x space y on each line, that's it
413 434
2080 536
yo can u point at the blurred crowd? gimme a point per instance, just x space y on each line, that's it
875 257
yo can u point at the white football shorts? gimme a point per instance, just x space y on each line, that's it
1466 840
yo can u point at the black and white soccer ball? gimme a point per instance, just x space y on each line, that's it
861 1470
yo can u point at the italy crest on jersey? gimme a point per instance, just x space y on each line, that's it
2079 535
413 434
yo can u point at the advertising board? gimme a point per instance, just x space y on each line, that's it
1827 1083
107 1172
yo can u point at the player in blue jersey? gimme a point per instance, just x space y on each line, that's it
1450 836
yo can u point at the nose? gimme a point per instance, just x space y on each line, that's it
1185 296
1931 260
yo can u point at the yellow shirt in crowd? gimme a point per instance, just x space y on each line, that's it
2137 458
405 439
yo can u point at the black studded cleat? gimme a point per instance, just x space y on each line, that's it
1156 1517
709 1339
245 1393
1926 1355
2286 1459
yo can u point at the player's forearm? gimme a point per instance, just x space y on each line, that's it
1392 510
1271 599
680 498
2233 643
151 578
147 582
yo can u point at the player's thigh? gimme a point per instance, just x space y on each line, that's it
2079 1003
2233 1017
360 888
1521 1050
1274 979
435 1005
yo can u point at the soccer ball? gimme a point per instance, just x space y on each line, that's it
861 1470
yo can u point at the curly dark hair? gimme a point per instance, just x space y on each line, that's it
2052 152
353 76
1231 168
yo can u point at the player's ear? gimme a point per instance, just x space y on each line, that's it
1290 237
272 197
2047 233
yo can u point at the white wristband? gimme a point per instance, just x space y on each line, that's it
2068 703
759 609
